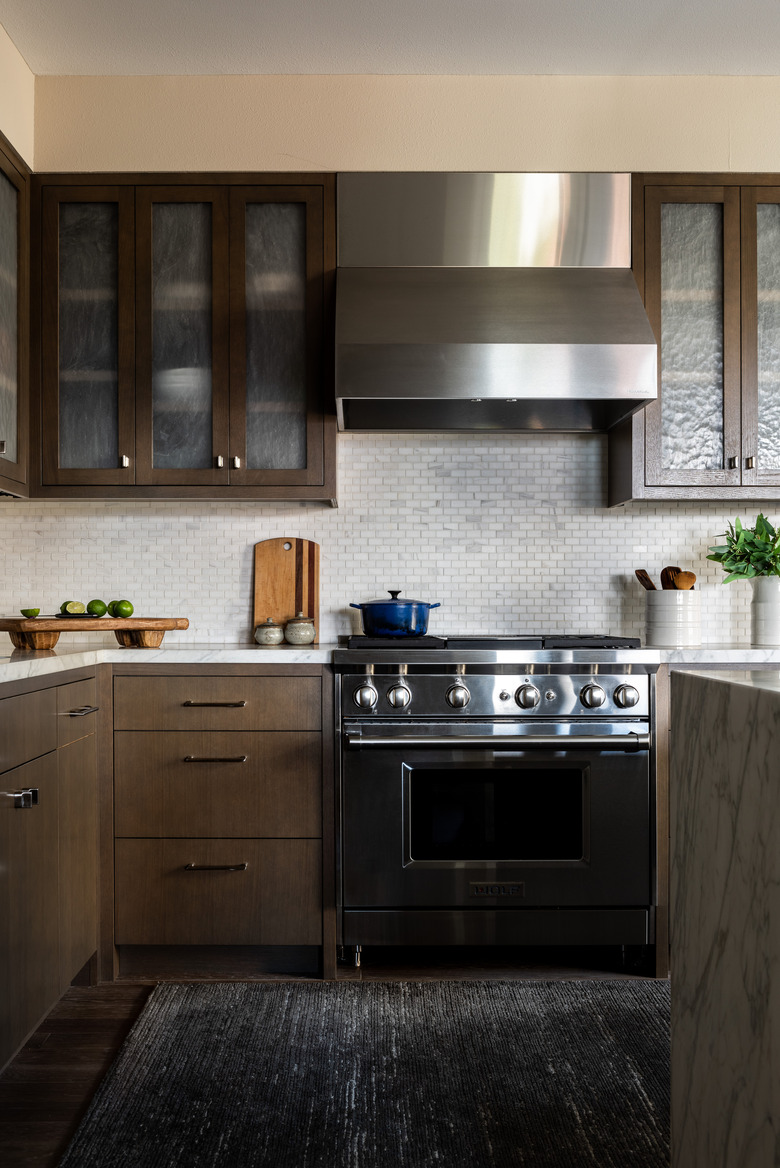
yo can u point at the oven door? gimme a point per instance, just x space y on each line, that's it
525 819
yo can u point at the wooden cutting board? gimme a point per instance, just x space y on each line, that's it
287 581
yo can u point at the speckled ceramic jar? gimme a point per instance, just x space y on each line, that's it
270 633
300 630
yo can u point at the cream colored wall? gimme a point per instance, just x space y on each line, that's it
426 123
17 99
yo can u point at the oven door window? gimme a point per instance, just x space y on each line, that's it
531 813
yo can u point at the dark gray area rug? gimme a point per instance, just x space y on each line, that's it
473 1074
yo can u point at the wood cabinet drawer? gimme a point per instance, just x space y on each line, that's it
275 900
182 783
217 703
28 727
76 711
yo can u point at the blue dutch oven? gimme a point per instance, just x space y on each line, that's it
394 617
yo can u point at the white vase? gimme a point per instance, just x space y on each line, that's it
765 612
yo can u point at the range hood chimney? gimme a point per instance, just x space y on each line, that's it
488 302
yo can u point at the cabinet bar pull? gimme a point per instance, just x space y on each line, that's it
750 463
25 800
230 705
203 758
732 464
237 463
220 461
125 460
216 867
79 712
2 446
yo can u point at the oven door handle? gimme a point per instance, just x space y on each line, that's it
626 742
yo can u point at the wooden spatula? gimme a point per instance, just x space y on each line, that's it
684 580
644 579
668 576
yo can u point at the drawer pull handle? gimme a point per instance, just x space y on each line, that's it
231 705
27 799
80 712
205 758
215 867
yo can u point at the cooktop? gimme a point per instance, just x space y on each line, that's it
480 641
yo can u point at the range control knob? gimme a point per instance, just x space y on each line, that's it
626 695
399 696
527 696
592 696
365 696
458 696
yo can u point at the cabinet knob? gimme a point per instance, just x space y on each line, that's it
237 463
125 460
750 463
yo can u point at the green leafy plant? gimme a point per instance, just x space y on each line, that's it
748 551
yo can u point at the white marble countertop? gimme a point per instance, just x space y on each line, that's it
764 680
17 664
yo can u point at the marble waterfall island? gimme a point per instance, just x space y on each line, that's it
725 919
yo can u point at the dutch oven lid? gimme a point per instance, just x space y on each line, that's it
394 600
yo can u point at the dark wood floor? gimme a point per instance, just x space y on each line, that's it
45 1091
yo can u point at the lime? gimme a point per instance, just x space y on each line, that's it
72 606
97 607
112 607
64 605
29 611
123 608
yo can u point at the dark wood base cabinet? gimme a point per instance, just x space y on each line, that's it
222 821
48 849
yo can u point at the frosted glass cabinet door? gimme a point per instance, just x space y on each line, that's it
276 339
182 368
761 336
87 336
9 318
692 297
13 332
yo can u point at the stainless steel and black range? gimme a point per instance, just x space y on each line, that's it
496 790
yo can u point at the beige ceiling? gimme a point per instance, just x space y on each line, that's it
634 37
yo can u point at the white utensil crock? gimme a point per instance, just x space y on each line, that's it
673 619
765 612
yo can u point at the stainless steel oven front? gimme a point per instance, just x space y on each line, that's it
523 816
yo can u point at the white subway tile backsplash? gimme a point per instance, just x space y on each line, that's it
510 534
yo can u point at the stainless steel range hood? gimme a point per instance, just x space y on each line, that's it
488 302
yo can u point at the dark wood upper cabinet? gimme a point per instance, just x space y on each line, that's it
706 257
184 337
14 316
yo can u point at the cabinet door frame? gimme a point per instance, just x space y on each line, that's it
751 197
51 471
13 169
312 196
146 472
728 197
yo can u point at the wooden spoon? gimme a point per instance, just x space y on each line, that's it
644 579
668 575
684 580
